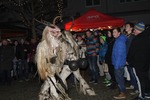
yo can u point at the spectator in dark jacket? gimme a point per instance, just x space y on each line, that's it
139 56
22 52
31 57
6 57
110 41
129 30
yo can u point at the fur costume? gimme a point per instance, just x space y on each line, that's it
53 50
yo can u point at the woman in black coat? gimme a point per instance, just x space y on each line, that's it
110 40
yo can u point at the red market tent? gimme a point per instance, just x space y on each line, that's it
94 20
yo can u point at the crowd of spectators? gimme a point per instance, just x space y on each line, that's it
17 60
122 56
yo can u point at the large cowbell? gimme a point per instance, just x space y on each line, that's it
73 65
82 63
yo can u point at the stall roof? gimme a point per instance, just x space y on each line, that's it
93 19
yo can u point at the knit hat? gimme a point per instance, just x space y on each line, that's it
103 37
140 26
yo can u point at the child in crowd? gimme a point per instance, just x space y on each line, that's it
102 53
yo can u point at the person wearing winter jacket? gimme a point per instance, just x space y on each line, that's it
92 52
139 57
119 60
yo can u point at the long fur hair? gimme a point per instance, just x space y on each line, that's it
66 47
43 54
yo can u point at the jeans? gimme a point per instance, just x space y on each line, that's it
111 72
92 60
5 77
119 75
132 78
23 69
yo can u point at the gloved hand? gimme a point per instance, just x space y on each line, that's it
100 62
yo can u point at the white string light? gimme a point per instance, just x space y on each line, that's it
60 6
19 2
22 3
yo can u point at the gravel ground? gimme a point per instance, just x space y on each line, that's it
29 91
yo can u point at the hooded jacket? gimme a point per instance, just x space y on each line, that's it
119 52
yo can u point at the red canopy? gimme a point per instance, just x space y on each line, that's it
94 20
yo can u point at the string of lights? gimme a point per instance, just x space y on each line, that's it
23 3
19 2
41 8
60 6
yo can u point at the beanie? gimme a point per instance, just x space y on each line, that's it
140 26
103 37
